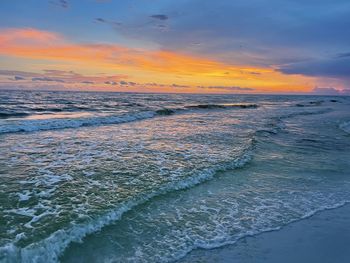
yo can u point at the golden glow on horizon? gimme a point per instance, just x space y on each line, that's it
146 66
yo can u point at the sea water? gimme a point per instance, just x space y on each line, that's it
123 177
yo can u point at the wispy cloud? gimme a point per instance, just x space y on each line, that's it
18 78
179 86
87 82
109 22
330 91
227 88
68 77
60 3
48 79
331 67
343 55
160 17
110 83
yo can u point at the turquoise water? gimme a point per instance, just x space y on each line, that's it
110 177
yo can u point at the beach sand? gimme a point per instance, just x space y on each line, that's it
321 238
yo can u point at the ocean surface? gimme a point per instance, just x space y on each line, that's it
119 177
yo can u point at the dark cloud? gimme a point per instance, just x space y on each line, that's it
108 22
254 73
161 28
343 55
64 3
153 84
100 20
17 72
160 17
60 73
47 79
67 77
61 3
126 83
110 83
179 86
330 91
227 88
18 78
333 68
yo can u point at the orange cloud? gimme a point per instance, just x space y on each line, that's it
145 65
37 44
10 36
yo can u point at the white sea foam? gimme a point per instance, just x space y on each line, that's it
221 228
258 231
24 196
53 124
49 249
345 126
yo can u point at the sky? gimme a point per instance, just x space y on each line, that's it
185 46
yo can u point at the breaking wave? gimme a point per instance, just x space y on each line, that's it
223 106
27 125
49 249
53 124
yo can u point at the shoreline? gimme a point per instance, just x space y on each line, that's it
323 237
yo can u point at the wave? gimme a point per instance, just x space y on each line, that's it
222 106
345 126
48 109
311 103
53 124
170 111
64 123
49 249
64 109
304 113
277 123
261 231
166 111
6 115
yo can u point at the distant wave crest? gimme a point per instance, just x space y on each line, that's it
223 106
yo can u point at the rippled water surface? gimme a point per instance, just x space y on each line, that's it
117 177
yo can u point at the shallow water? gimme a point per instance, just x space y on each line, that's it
110 177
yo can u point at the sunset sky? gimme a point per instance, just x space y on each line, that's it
224 46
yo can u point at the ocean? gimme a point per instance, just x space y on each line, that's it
126 177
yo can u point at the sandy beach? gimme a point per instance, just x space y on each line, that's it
322 238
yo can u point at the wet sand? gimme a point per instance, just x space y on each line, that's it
321 238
